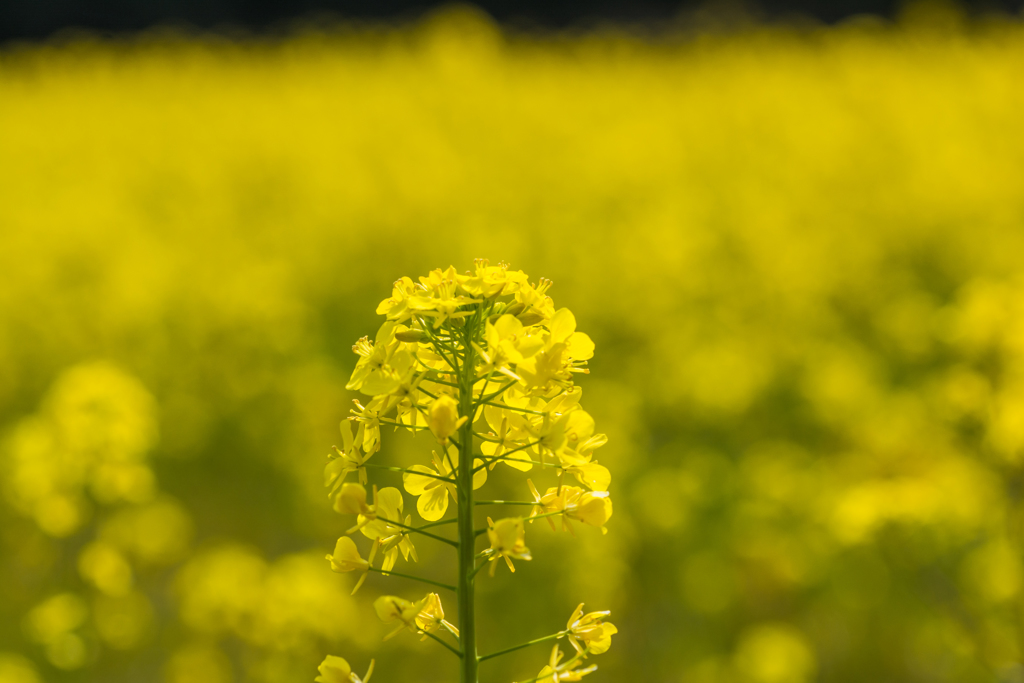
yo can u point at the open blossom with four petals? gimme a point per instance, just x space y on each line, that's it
434 486
589 632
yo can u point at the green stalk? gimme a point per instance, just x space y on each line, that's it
553 636
466 526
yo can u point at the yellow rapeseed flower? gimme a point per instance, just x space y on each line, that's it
431 617
337 670
346 558
508 541
589 632
434 486
556 672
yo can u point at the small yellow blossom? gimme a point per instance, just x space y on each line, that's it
346 558
368 434
390 538
589 632
555 672
351 500
590 507
337 670
397 306
391 608
508 540
349 459
383 363
431 617
489 281
433 486
443 418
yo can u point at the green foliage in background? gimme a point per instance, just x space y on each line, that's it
797 252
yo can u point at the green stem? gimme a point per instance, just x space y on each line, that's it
480 532
440 523
450 542
515 410
403 469
504 502
467 537
507 453
561 667
458 653
395 423
414 578
495 394
553 636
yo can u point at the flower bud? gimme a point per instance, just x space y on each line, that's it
411 336
443 418
334 670
530 318
515 308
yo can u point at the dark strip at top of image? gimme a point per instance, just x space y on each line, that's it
42 19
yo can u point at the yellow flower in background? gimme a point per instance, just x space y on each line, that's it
589 632
443 418
337 670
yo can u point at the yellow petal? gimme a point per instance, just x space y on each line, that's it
417 484
433 504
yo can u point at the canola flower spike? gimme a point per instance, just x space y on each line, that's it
337 670
484 362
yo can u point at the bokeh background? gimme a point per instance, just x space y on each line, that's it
796 246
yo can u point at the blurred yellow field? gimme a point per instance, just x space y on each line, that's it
797 252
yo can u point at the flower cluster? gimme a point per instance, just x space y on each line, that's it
485 364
